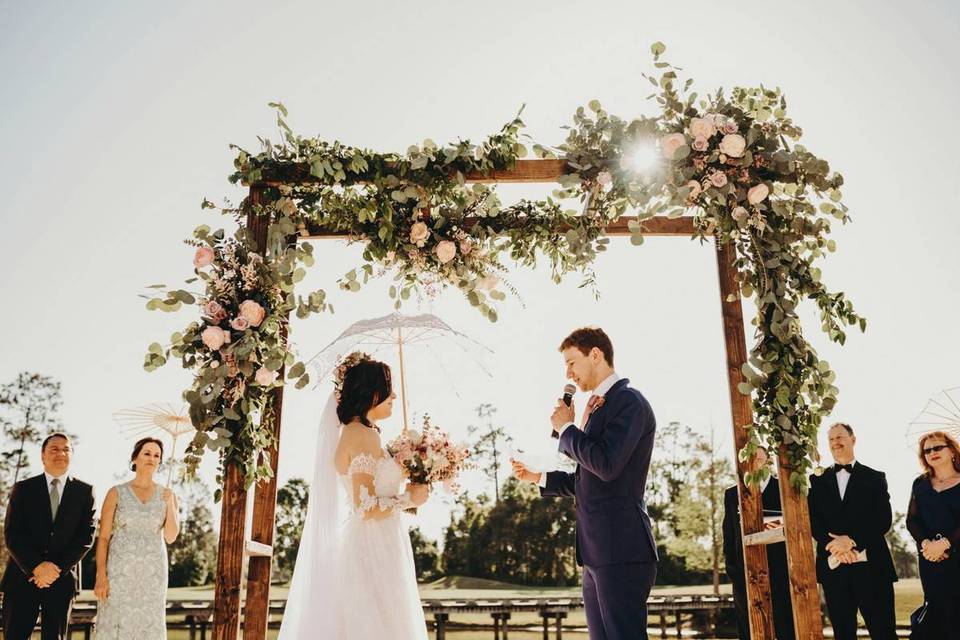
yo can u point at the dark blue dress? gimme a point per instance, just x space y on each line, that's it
933 513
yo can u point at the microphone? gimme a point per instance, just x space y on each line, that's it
568 391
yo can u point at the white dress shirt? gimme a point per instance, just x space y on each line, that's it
601 390
843 479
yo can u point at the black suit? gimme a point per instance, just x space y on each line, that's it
864 515
33 536
776 561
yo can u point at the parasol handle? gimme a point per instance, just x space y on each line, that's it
403 380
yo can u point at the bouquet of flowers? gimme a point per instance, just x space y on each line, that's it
429 456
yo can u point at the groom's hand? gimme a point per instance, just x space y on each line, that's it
521 473
562 414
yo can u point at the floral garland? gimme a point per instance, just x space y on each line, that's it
343 365
726 160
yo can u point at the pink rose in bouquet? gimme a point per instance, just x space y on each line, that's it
429 456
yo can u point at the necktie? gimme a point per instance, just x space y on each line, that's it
848 467
54 496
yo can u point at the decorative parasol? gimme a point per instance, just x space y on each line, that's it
424 332
941 413
155 420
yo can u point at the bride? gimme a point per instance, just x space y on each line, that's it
354 577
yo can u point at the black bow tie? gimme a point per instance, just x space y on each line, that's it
848 467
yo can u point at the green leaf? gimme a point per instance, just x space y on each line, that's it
594 105
657 48
296 370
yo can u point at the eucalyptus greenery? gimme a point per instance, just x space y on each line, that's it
730 161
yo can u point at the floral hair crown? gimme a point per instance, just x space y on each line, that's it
346 363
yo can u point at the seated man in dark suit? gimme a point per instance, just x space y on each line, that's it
776 556
48 529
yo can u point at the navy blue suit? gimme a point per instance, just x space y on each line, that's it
615 542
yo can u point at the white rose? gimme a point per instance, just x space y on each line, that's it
605 180
758 194
702 128
733 144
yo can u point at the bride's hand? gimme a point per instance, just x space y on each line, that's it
418 493
102 588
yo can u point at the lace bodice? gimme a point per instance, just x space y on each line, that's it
386 480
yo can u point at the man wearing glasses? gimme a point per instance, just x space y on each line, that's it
850 515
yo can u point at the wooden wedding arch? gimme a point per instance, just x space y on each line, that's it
236 544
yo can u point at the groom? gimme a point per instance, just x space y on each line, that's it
612 448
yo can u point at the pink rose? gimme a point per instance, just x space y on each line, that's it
700 144
240 323
669 144
739 214
203 257
252 312
733 145
214 311
446 251
695 189
466 246
214 337
265 377
730 126
702 127
419 233
718 179
758 194
605 180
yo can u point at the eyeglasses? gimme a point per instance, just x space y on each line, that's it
934 448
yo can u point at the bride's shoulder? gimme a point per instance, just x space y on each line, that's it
357 443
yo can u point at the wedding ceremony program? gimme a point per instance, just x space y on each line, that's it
436 321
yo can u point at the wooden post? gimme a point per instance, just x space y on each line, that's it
757 574
256 612
233 516
804 596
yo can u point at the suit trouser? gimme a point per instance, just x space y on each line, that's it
23 604
615 600
856 587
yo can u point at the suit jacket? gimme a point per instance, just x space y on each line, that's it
733 539
613 456
32 535
864 514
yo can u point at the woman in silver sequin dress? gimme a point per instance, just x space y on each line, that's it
137 522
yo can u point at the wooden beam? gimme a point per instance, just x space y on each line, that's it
226 612
658 226
759 606
803 572
257 608
523 171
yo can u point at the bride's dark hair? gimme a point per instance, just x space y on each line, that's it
365 385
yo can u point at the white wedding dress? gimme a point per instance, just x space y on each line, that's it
354 578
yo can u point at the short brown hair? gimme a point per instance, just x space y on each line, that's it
844 425
586 339
952 444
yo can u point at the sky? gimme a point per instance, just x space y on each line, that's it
115 124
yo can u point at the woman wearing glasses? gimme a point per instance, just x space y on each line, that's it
934 522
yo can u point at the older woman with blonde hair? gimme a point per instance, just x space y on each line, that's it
933 520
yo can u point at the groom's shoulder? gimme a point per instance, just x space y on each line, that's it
628 395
